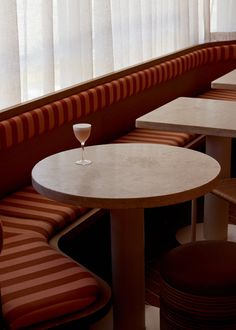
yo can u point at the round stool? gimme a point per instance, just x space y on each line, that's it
198 287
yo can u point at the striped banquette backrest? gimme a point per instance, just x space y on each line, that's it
36 122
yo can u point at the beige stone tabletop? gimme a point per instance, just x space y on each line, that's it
194 115
126 176
216 119
227 81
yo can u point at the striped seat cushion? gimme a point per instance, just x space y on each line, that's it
37 282
31 211
25 126
219 94
154 136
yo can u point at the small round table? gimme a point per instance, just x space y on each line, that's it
126 178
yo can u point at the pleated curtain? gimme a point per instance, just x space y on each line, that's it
47 45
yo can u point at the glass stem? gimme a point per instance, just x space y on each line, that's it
82 146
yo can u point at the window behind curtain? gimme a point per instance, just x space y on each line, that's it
49 45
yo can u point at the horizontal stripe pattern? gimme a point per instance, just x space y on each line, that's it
31 211
35 122
155 136
38 283
219 94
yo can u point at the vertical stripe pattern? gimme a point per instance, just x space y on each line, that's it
35 122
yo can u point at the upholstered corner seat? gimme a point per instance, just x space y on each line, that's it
38 283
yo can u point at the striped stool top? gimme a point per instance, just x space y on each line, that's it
203 268
198 286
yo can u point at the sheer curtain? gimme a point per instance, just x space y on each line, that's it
46 45
10 92
223 22
145 29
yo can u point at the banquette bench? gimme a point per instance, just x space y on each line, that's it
41 287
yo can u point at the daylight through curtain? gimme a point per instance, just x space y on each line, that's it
53 44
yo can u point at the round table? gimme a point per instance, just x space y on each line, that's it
126 178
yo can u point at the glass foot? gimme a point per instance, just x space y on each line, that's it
83 162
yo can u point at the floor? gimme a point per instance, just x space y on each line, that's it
151 315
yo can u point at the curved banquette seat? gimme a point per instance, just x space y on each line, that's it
41 287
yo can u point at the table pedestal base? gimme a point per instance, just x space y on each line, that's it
152 317
128 274
184 234
152 320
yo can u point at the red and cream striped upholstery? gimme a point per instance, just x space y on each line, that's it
154 136
38 121
38 283
219 94
27 205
